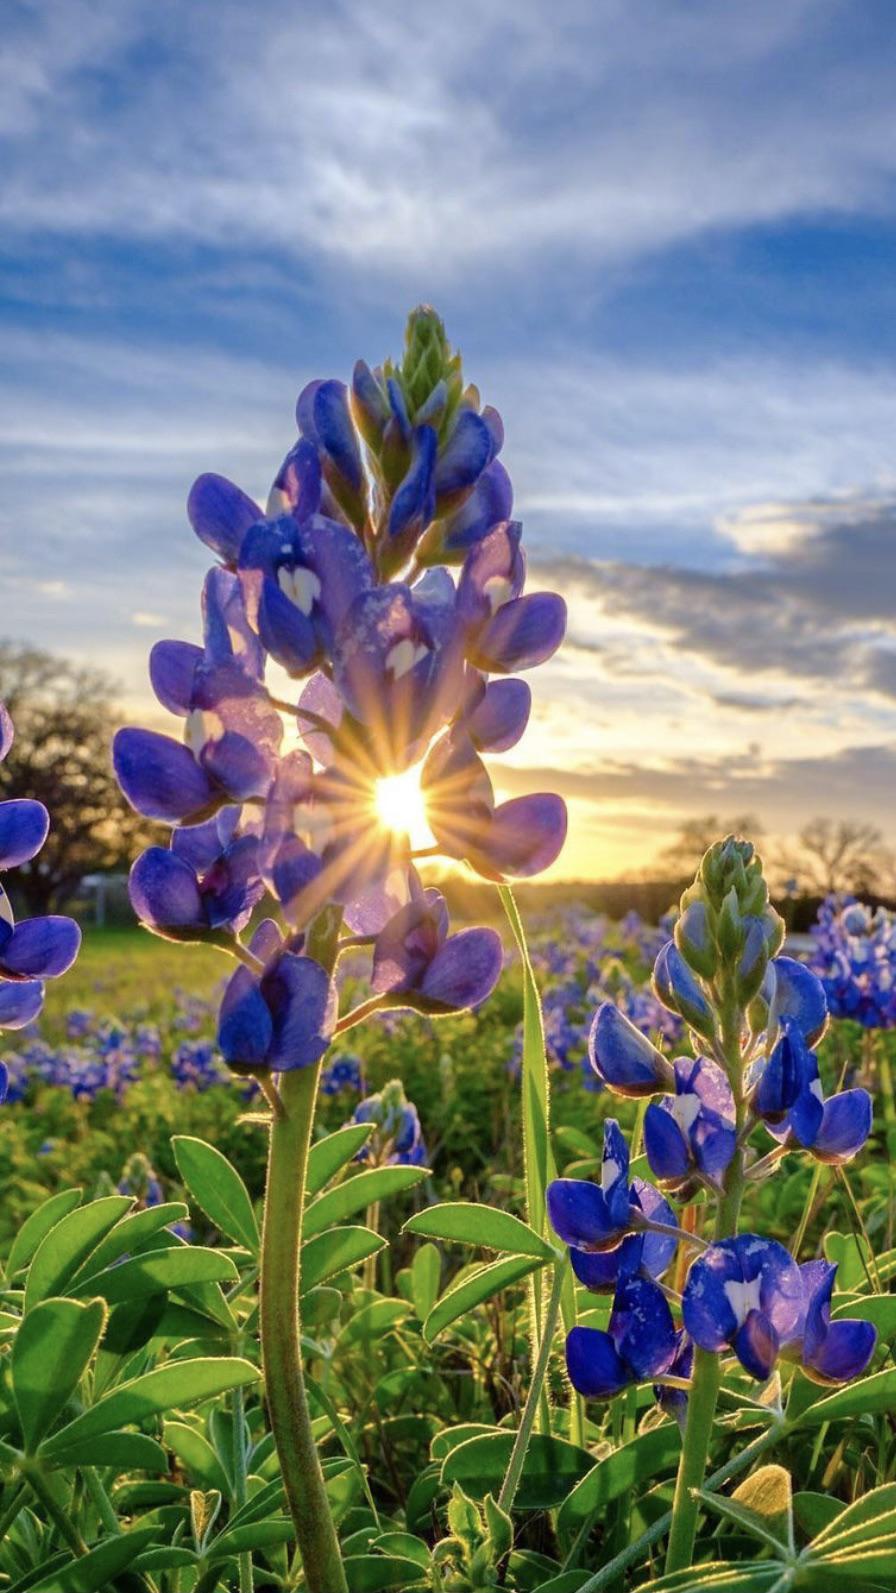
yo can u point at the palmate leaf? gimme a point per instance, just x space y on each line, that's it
169 1387
63 1249
38 1225
218 1189
357 1193
51 1353
464 1222
632 1464
552 1468
473 1288
333 1152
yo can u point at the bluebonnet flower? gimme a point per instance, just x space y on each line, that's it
692 1134
417 964
344 1072
209 880
281 1017
345 578
196 1064
829 1352
855 958
37 948
397 1136
641 1343
597 1217
790 1100
743 1293
623 1057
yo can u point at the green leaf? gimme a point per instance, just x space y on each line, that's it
329 1154
535 1096
814 1511
426 1272
464 1222
218 1189
761 1507
92 1572
622 1472
868 1517
51 1352
372 1321
128 1236
69 1243
473 1288
375 1573
755 1576
329 1253
124 1451
158 1270
357 1193
870 1396
880 1309
198 1457
551 1471
253 1535
168 1387
404 1545
852 1259
451 1437
38 1225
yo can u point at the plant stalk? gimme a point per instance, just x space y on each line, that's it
524 1431
281 1332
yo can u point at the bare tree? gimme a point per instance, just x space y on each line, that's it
835 855
64 717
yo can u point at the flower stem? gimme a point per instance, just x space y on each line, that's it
280 1335
524 1431
706 1375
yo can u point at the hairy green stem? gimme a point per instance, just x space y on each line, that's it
247 1579
524 1431
706 1375
281 1332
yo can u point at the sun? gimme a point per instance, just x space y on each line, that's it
401 807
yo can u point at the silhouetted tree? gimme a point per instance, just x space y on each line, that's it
65 716
836 855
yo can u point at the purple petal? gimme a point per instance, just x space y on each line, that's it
41 948
322 411
20 1004
527 834
407 944
643 1329
245 1027
490 502
578 1213
756 1345
783 1078
172 671
301 997
845 1126
523 633
201 844
500 717
221 514
600 1270
164 891
667 1149
23 829
845 1352
624 1057
706 1308
413 504
678 990
799 995
593 1363
466 970
470 448
657 1249
6 732
160 777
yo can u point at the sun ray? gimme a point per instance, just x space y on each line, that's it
401 807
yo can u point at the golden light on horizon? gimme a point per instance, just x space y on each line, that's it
400 807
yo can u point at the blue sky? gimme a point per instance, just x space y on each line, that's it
663 235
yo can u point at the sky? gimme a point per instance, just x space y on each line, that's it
662 233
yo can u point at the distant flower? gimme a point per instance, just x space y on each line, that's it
397 1136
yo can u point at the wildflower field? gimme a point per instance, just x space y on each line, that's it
347 1249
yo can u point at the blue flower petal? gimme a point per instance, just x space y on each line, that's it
490 502
301 997
657 1249
500 717
40 948
845 1126
756 1345
160 777
7 734
578 1213
666 1147
24 825
643 1329
526 835
624 1057
20 1003
221 514
470 448
844 1353
799 996
593 1363
245 1026
172 671
522 634
465 970
164 891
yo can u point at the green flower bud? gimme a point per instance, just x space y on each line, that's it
730 932
428 363
695 940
